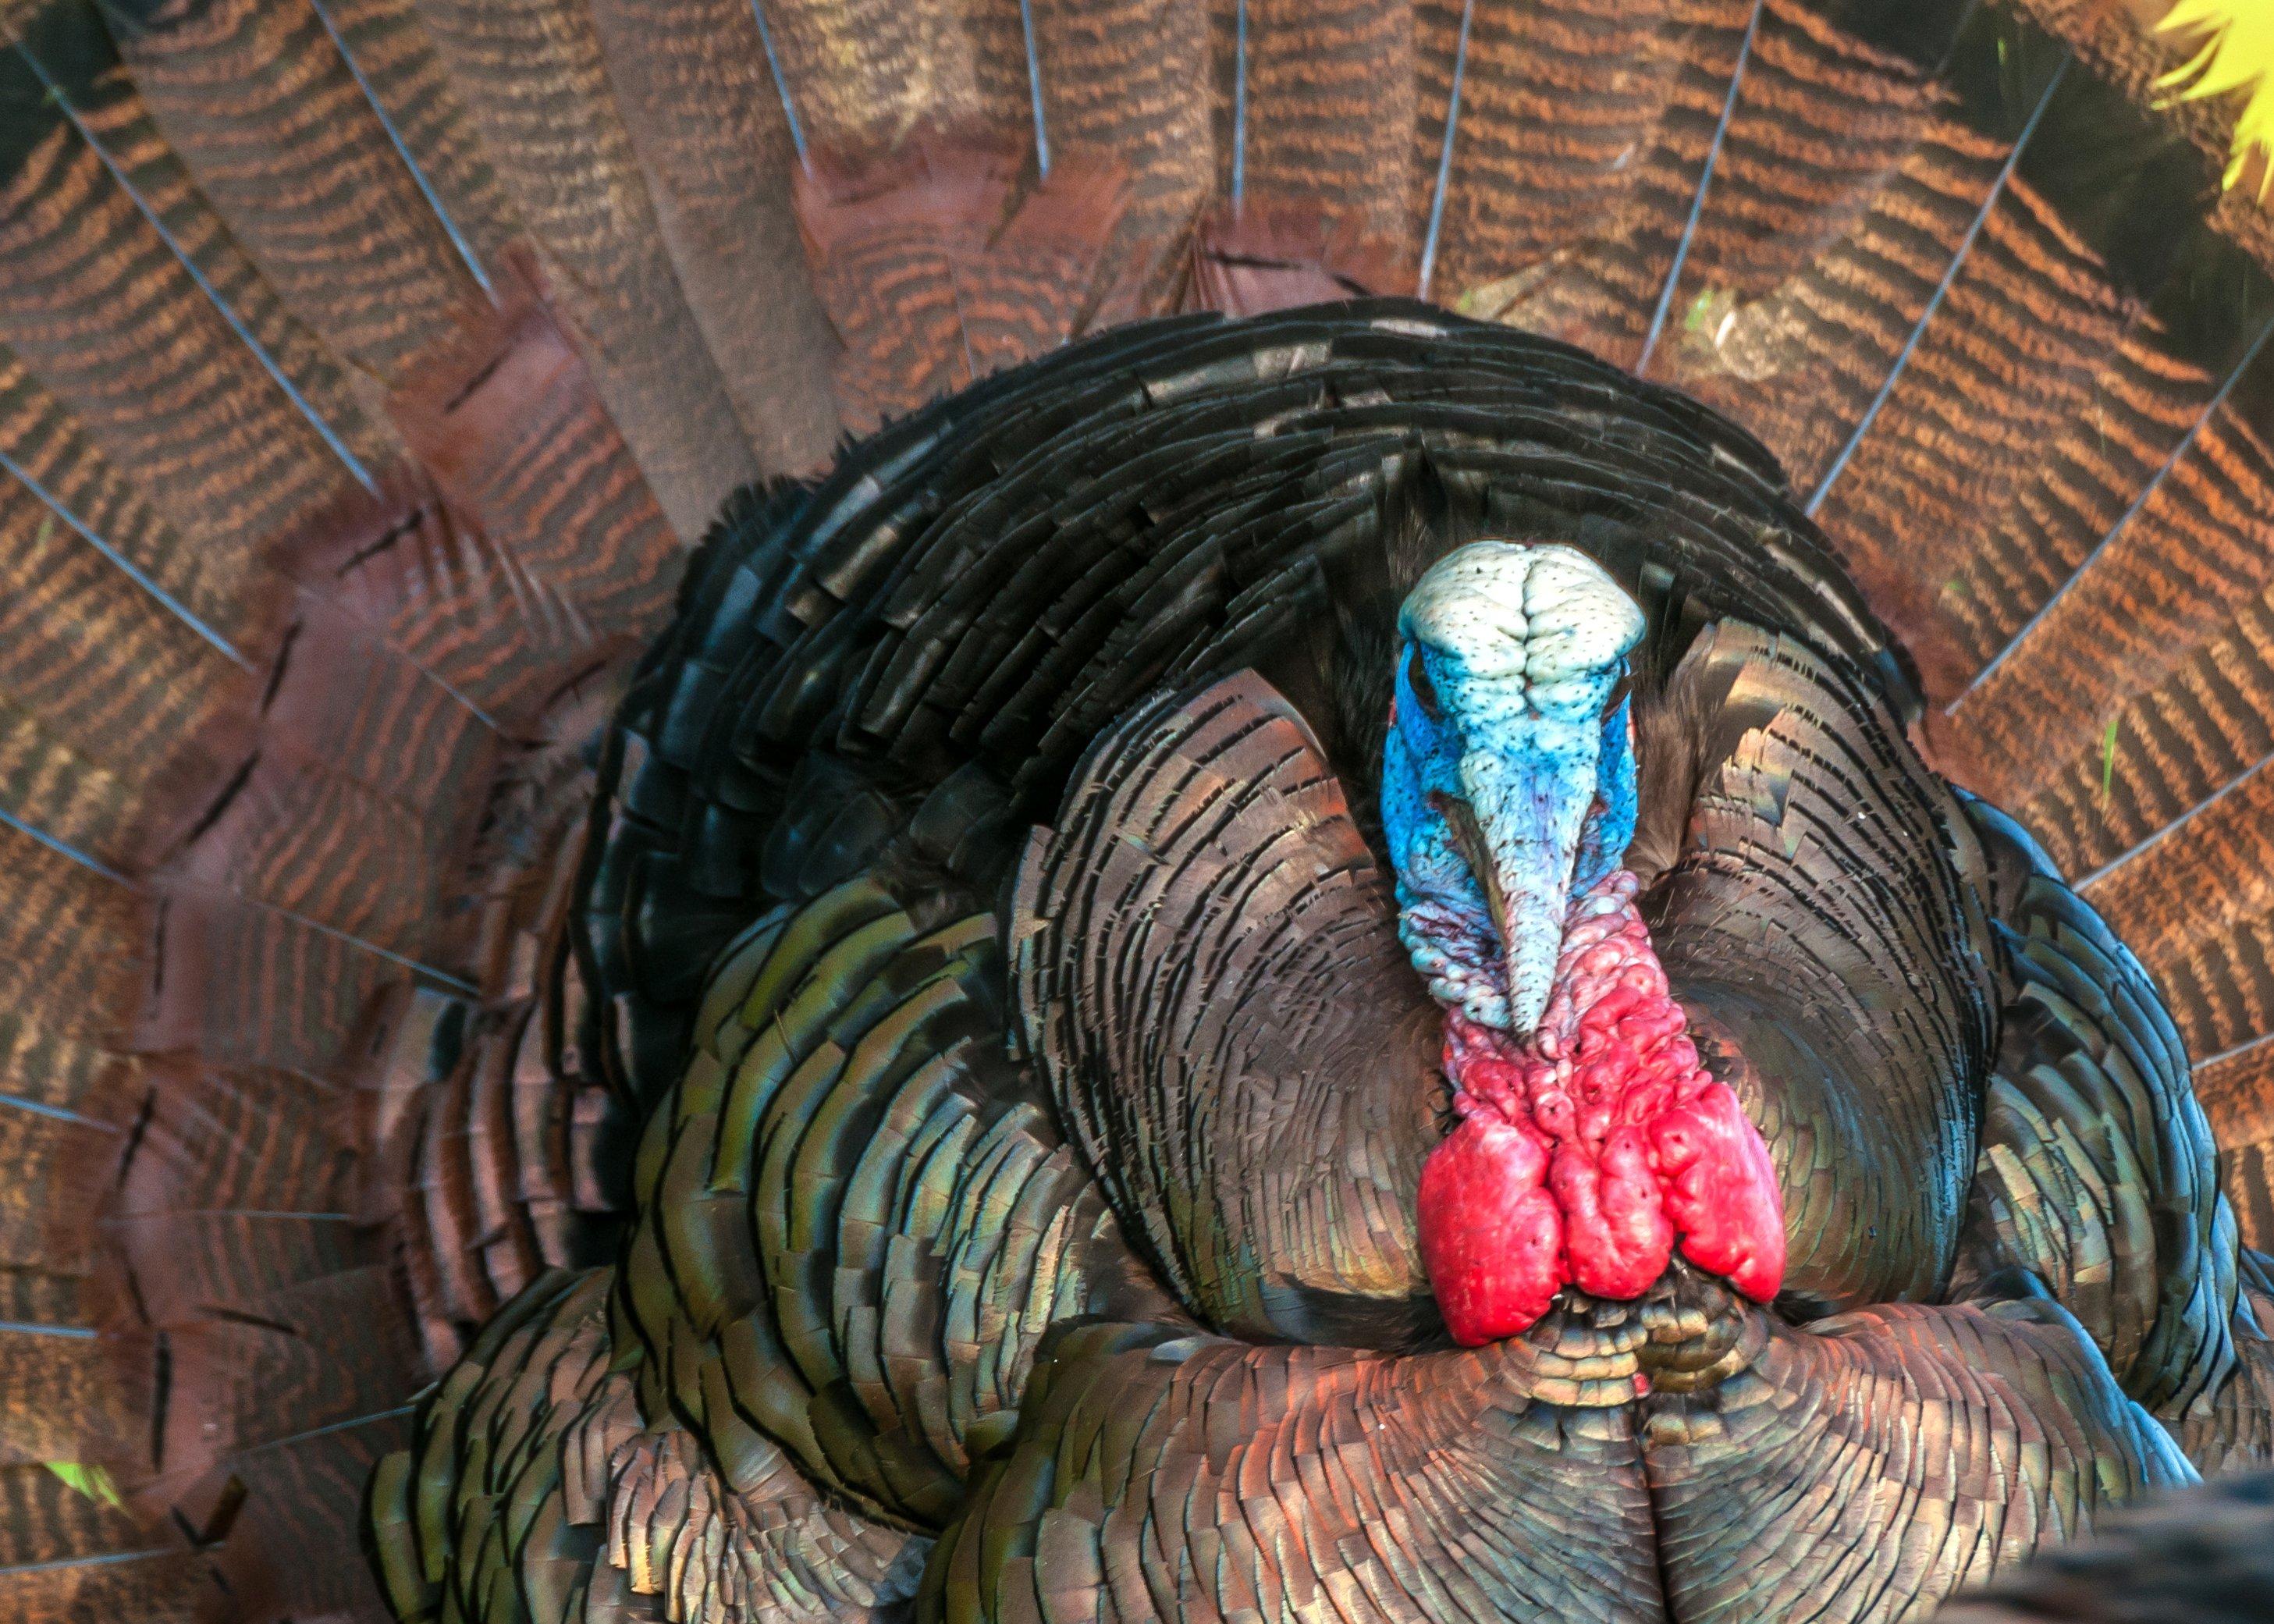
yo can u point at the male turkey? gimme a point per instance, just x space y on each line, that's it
1316 956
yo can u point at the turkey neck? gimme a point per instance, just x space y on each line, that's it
1586 1155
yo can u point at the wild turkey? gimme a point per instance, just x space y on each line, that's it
910 1097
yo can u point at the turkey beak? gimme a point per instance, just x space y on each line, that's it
1518 830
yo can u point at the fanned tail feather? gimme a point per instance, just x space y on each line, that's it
366 367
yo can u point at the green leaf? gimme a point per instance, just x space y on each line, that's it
2108 760
91 1481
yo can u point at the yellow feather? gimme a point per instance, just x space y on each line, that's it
2237 55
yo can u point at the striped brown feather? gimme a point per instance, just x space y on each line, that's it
69 1096
1314 152
395 60
304 1493
71 936
66 1104
117 718
260 103
328 863
489 1174
864 76
245 984
531 75
691 80
343 712
65 1554
1555 100
52 782
2005 370
1129 80
949 259
48 449
1600 290
44 1521
330 847
408 581
59 1400
98 308
2201 734
362 790
1330 115
2197 908
889 283
307 1410
2089 282
1256 257
2198 549
1844 185
2237 1091
248 1180
515 429
73 46
244 1253
1024 290
2144 400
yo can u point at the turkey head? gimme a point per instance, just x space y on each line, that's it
1591 1141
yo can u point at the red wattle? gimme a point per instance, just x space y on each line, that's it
1586 1157
1722 1191
1502 1263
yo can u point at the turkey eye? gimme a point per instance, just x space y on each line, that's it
1417 678
1620 689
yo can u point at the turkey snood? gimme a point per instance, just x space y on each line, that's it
1591 1144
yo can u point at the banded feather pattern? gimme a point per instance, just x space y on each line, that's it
261 107
535 87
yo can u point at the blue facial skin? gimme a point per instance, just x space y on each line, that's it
1542 778
1610 831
